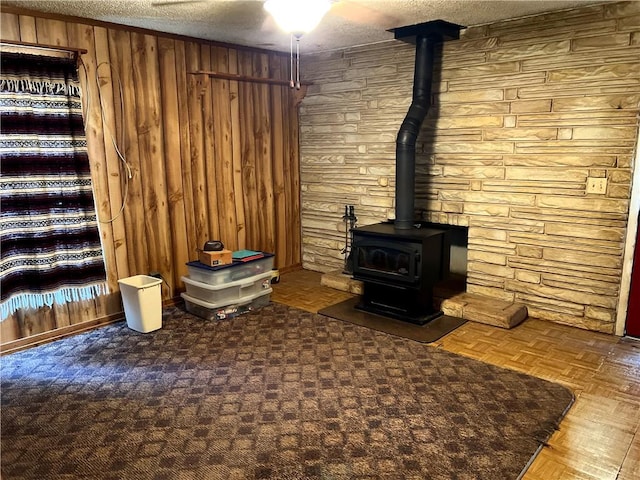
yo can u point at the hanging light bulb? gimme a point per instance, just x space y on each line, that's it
295 16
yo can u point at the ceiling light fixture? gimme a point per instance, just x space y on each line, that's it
297 18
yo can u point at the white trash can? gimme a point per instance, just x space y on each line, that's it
142 300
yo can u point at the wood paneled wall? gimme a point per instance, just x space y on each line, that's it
210 158
526 113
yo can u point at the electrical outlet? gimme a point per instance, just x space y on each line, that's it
596 185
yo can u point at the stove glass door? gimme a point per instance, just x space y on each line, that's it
385 260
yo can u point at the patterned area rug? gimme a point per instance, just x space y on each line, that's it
277 393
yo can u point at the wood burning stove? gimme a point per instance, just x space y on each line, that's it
400 262
399 269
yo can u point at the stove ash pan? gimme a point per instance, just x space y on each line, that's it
399 269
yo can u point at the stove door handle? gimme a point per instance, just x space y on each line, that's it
416 268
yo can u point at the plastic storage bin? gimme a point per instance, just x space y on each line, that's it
142 300
231 272
213 311
230 292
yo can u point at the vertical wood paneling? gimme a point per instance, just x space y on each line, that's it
83 36
52 32
263 135
10 26
224 151
115 170
294 216
236 141
171 127
197 84
36 321
248 155
182 83
28 29
291 254
151 147
9 328
136 240
209 146
209 158
83 309
278 103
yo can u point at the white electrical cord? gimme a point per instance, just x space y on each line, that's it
105 125
121 156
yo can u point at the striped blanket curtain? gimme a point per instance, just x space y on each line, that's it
50 244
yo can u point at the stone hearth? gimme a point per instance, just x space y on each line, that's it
453 301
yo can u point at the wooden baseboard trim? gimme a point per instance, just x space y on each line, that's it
291 268
46 337
58 333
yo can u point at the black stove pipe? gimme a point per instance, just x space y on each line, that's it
424 36
409 130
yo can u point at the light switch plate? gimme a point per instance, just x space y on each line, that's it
596 185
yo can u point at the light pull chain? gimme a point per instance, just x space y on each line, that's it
295 67
291 84
298 63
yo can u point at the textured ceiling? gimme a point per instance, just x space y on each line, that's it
245 22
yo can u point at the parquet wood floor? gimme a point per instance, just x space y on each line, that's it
599 439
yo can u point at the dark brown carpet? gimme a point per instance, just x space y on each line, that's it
429 332
277 393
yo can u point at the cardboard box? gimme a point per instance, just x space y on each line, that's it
212 259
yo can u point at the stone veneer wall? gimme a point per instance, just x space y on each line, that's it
525 111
